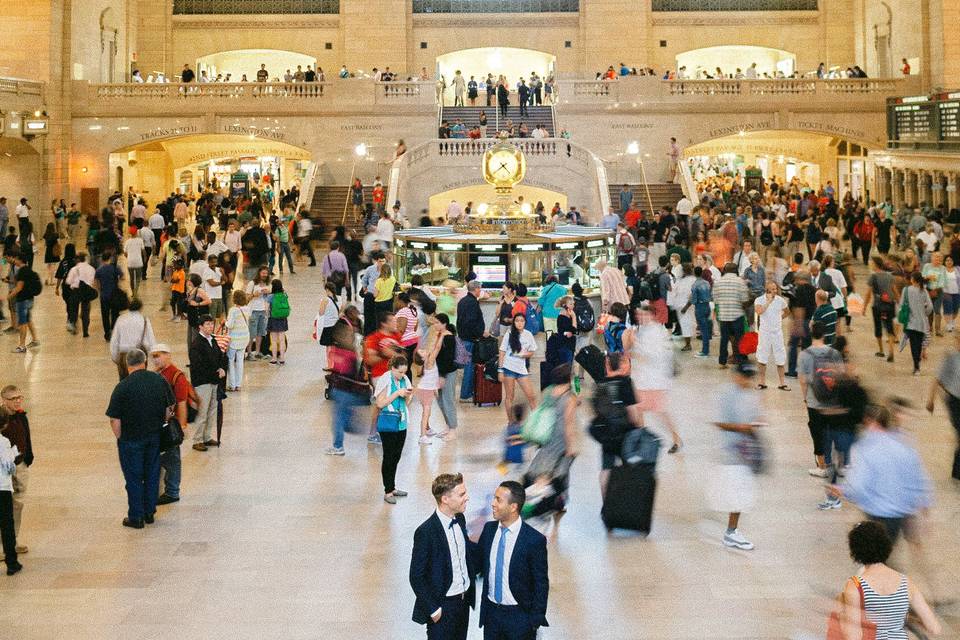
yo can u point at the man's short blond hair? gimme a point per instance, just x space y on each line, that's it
444 484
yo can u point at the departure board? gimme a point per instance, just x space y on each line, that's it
931 121
950 120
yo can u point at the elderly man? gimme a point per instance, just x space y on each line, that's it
182 393
138 409
613 286
17 431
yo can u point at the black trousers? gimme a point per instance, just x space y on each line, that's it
503 108
306 249
369 314
77 307
953 407
730 332
507 623
392 448
109 315
916 346
454 620
7 531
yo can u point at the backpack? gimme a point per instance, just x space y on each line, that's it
280 306
626 244
539 425
33 286
640 446
613 336
827 371
586 318
652 282
766 235
534 318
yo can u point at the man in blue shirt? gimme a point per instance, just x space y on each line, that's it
624 70
611 220
700 298
626 199
887 480
367 280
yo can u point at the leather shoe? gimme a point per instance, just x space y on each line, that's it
148 518
12 569
133 524
212 443
165 499
199 446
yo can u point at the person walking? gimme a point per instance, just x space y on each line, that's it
881 293
108 277
733 490
17 431
139 407
915 310
183 395
651 369
392 394
132 330
79 285
447 368
8 535
730 294
429 382
207 366
513 564
238 328
880 595
948 380
258 292
820 365
443 564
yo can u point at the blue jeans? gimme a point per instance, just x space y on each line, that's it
731 331
466 387
285 251
140 463
705 325
170 463
344 404
841 440
797 343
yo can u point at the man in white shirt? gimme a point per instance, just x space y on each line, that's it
23 215
213 285
512 608
139 211
742 258
156 225
82 272
133 248
385 231
443 563
149 243
454 212
751 73
539 132
215 246
232 237
772 309
684 206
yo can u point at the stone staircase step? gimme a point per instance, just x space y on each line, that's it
662 194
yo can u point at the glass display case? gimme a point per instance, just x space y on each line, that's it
440 253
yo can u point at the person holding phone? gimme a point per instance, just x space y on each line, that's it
393 394
517 347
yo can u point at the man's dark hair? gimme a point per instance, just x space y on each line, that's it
730 267
382 320
869 543
798 258
698 271
517 495
619 310
376 255
135 305
663 260
205 318
818 330
614 360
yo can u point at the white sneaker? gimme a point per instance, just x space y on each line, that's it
374 439
736 540
829 503
817 472
434 433
335 451
425 440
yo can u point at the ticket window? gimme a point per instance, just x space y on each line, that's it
566 262
528 262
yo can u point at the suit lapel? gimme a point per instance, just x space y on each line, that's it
448 566
518 550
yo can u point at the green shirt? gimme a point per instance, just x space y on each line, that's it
283 233
936 277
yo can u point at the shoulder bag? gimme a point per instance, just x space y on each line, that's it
868 630
390 419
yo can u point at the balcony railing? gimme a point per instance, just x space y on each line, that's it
21 87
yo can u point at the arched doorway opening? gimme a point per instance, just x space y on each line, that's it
189 164
511 62
20 174
807 160
247 62
769 62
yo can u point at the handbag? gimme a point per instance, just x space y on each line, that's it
868 630
539 425
462 357
390 420
752 452
171 434
86 292
903 315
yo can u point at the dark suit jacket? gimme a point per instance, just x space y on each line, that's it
529 582
431 572
205 358
826 283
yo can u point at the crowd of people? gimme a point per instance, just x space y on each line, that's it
495 92
399 348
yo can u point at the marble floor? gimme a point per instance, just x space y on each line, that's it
272 539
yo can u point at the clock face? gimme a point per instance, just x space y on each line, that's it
504 165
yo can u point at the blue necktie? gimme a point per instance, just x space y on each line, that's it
498 569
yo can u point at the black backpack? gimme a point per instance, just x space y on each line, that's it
827 376
651 285
32 285
766 235
586 318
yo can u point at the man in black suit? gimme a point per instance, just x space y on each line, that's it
443 565
513 562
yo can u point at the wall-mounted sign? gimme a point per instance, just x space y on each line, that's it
239 185
169 132
257 132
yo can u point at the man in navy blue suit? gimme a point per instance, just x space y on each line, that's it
513 562
444 564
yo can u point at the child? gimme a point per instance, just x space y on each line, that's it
178 290
514 444
238 328
277 323
8 532
429 382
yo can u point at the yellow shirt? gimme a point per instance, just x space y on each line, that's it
384 289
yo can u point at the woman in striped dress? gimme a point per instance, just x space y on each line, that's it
887 595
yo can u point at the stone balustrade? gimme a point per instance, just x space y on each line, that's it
20 95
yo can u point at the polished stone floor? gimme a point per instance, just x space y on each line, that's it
272 539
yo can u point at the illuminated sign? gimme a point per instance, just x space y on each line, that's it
595 243
419 245
530 247
568 245
450 247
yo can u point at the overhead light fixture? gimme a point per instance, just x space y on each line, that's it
360 150
633 148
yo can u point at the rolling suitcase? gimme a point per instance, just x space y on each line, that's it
545 370
484 350
485 392
592 360
628 503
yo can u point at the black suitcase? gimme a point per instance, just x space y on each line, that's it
592 360
485 350
544 374
628 503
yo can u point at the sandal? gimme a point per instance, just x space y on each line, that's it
783 387
761 386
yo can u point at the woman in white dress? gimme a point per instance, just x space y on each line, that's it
651 367
682 290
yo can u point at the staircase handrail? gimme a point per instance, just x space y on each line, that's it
346 204
686 181
309 186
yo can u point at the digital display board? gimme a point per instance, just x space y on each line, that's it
491 269
924 121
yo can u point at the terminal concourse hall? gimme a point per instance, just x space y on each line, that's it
479 319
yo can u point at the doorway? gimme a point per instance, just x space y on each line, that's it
510 62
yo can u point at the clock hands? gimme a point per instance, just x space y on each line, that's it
503 165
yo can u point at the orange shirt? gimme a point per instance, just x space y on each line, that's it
178 281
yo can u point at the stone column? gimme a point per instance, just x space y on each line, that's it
925 186
937 194
899 187
951 189
910 187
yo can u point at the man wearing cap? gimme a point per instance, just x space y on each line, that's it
182 393
138 409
